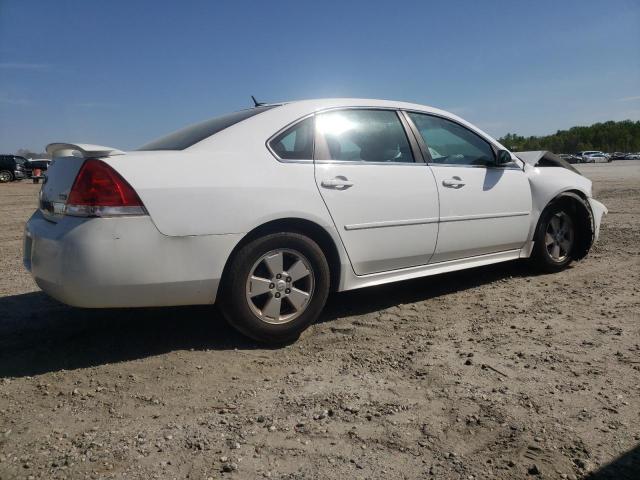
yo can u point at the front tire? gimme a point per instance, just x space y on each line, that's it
555 239
275 287
5 176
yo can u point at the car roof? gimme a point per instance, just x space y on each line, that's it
315 104
287 113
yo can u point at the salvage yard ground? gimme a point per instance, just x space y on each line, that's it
487 373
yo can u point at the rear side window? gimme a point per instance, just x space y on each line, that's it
295 143
450 143
362 135
185 137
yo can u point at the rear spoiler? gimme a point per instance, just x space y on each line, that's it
83 150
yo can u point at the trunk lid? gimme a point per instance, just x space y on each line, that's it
67 158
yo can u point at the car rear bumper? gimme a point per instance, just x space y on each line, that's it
123 262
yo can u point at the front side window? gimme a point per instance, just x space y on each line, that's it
295 143
362 135
452 144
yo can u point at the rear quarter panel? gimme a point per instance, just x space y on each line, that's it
209 192
229 183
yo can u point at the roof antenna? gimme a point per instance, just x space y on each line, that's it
256 103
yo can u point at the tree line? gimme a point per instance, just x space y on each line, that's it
609 136
26 153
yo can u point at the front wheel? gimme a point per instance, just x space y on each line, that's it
5 176
275 287
555 239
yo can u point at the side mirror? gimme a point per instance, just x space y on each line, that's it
503 158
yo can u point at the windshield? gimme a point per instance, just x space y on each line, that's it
185 137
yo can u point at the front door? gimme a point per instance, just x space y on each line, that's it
383 202
483 208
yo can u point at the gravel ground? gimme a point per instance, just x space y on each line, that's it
488 373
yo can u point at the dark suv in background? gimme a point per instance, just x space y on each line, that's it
12 167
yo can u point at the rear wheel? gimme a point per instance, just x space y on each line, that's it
275 287
5 176
555 239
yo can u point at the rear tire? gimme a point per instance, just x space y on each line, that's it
554 240
6 176
275 287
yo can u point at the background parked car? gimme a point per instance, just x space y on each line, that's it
584 153
570 158
618 155
595 157
580 156
632 156
12 168
33 164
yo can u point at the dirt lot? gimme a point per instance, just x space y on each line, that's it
489 373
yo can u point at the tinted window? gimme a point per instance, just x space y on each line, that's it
450 143
193 134
362 135
296 143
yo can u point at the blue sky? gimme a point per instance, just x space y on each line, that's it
120 73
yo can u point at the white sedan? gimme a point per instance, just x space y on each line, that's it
267 210
595 157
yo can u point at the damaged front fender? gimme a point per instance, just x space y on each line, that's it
588 214
598 210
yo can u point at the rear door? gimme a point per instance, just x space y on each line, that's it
381 196
483 208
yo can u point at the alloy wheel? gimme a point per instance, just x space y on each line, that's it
559 237
280 286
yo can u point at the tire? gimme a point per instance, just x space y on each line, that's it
6 176
555 239
251 284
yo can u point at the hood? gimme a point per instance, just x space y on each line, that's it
544 158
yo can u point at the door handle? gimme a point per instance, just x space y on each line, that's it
455 182
338 183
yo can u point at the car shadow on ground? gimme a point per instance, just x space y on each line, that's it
625 467
40 335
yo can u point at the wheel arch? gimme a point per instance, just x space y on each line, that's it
576 201
302 226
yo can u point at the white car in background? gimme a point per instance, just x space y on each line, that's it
595 157
288 202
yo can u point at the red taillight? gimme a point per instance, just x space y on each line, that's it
99 185
100 191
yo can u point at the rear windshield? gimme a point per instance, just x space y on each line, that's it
185 137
